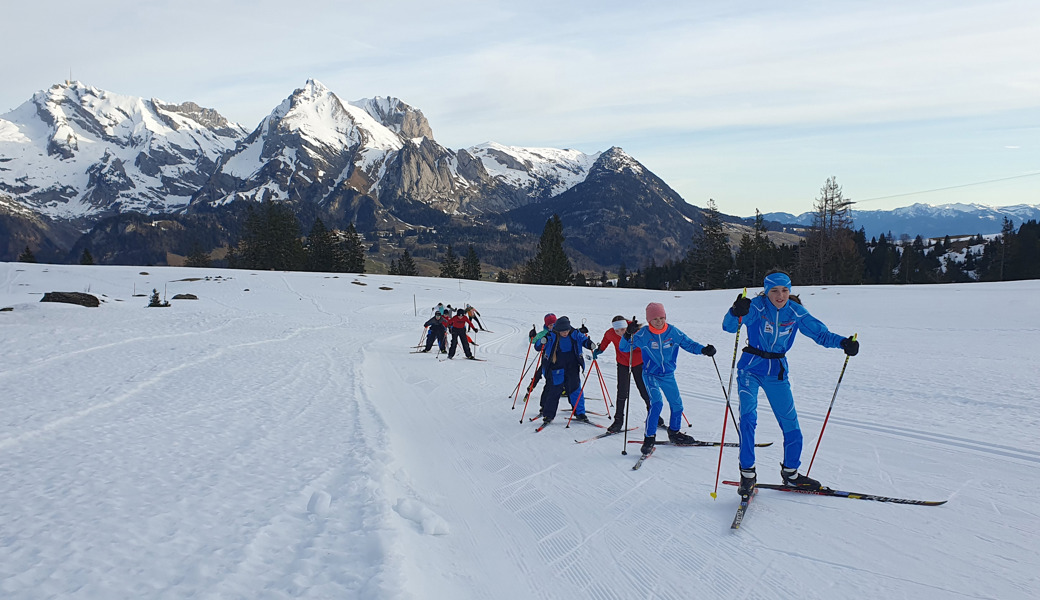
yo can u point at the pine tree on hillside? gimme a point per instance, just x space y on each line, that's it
353 250
550 265
710 259
830 254
471 265
27 256
270 239
86 258
622 275
197 257
323 251
406 266
450 264
502 277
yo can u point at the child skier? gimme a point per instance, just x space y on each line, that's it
458 331
660 343
772 319
437 327
628 363
562 363
474 316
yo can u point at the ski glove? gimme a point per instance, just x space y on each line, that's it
708 350
531 334
632 328
596 353
584 329
741 306
850 346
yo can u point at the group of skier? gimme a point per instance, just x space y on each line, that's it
458 322
647 354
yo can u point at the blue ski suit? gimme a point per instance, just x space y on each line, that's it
659 352
770 334
562 363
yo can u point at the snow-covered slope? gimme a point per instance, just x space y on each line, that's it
275 439
544 172
77 152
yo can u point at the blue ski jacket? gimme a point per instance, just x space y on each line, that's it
660 350
772 330
567 350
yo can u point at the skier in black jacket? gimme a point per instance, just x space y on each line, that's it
436 329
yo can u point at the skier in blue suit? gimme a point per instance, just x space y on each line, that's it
659 344
562 363
772 319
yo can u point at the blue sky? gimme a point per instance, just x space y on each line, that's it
753 104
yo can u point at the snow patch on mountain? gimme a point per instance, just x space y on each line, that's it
526 167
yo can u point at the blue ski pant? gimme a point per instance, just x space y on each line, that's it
656 387
778 392
558 381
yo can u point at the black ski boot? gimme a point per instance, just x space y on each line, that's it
648 445
680 439
584 418
748 479
793 479
546 421
617 425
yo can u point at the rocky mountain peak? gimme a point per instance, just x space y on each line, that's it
404 120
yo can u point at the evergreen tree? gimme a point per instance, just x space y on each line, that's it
710 260
406 266
197 257
755 255
323 253
270 239
86 258
503 277
27 256
622 275
393 267
155 302
550 265
471 265
450 264
830 254
353 251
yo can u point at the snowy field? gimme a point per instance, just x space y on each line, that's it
275 439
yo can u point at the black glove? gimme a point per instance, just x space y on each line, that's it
632 328
850 346
584 329
741 306
708 350
532 333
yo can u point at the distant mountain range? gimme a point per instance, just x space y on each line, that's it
927 220
136 181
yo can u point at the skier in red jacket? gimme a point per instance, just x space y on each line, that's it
458 331
626 363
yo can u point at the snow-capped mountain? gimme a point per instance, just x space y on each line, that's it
927 220
74 152
317 148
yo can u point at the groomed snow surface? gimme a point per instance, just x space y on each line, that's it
275 439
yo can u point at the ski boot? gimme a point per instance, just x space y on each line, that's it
617 425
748 479
680 439
793 479
584 418
648 445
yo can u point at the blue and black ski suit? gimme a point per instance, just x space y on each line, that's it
437 329
562 363
770 334
659 352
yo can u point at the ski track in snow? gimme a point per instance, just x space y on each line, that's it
281 442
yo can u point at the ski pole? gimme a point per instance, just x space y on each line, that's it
725 417
422 336
603 387
534 364
628 405
847 357
581 396
530 386
726 392
524 370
